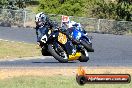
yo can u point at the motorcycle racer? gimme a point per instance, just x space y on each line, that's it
78 26
68 25
42 24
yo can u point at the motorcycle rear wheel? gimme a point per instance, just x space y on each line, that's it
58 57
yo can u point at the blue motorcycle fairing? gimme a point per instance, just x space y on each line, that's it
78 35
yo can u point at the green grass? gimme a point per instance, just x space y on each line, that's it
18 50
52 82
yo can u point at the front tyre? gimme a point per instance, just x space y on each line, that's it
57 55
45 52
84 56
87 46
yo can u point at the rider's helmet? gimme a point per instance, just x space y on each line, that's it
41 17
71 24
74 24
44 17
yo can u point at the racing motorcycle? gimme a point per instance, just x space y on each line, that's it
62 48
80 36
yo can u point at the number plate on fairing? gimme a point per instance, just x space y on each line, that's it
62 38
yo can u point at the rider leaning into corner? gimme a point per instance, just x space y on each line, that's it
42 24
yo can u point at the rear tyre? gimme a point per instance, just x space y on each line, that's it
55 54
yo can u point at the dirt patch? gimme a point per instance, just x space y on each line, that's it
15 72
9 73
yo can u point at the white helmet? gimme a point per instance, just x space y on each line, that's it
71 24
40 17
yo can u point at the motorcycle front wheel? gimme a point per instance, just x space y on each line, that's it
58 53
84 56
86 45
45 52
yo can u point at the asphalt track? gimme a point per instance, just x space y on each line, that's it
110 50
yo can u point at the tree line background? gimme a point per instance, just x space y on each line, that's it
102 9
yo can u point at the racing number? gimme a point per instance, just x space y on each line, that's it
62 38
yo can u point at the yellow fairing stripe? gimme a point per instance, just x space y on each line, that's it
74 56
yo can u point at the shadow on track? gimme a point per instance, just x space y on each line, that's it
49 62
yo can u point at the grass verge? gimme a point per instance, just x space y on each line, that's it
55 78
18 50
52 82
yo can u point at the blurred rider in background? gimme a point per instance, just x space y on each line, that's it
76 25
68 25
